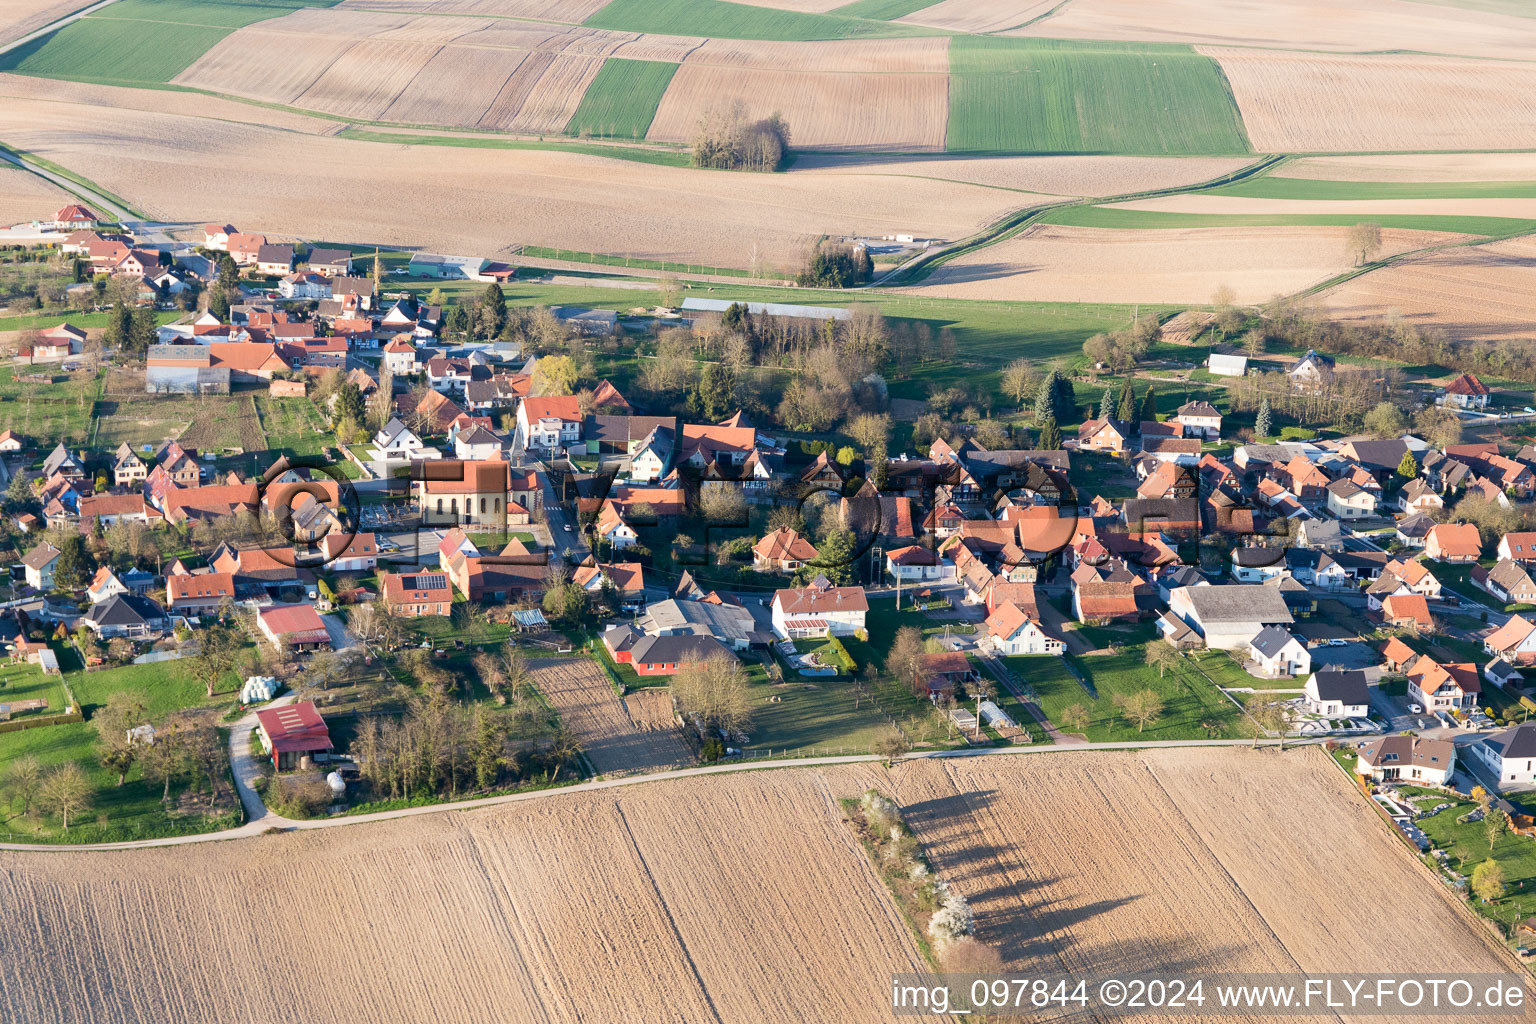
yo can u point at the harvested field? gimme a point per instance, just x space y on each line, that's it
1183 860
1059 263
826 109
24 196
1476 293
453 71
804 6
22 17
1184 328
873 56
614 741
1370 26
367 78
163 163
1048 175
598 906
594 907
1416 167
1309 102
572 12
979 15
159 101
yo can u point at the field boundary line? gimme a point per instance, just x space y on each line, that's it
256 828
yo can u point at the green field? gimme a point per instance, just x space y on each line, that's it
141 42
48 412
622 99
1517 8
1057 96
738 21
637 154
881 10
1114 217
1276 187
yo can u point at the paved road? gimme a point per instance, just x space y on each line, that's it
246 770
269 820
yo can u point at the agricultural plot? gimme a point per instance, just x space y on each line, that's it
1213 860
1310 102
1124 217
621 101
139 42
57 411
25 196
1303 189
1067 263
583 907
1477 293
832 110
221 422
735 21
1371 26
568 200
1052 96
571 12
616 742
1415 167
21 17
979 15
1049 176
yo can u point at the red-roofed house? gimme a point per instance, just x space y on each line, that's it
412 595
1466 392
452 491
1515 641
199 594
819 610
350 552
75 217
292 732
1407 610
63 340
1453 542
1013 632
296 625
783 550
549 423
1438 687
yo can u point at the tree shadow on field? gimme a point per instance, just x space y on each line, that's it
963 273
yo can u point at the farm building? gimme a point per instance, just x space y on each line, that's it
448 268
292 732
296 625
1227 366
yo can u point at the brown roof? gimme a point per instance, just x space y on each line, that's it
815 600
201 586
784 543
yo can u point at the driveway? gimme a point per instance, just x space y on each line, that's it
247 770
1351 655
341 637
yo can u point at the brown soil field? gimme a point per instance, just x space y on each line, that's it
21 17
1415 167
480 200
874 56
1186 861
24 196
731 899
1476 293
1368 26
1366 208
429 69
599 906
831 109
614 741
158 101
572 12
1055 263
1309 102
979 15
1046 175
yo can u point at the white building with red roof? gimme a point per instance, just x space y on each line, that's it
75 217
819 610
1466 392
551 423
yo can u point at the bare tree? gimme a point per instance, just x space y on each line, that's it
716 692
1142 708
23 779
65 793
1161 655
1364 242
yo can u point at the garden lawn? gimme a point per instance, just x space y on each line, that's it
49 413
1192 707
812 715
1468 846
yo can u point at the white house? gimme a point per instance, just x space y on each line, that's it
1199 419
477 444
1510 756
819 610
400 356
350 553
1230 615
304 284
916 564
399 443
1278 654
1515 641
39 563
1348 500
1407 759
612 528
551 423
1012 633
1338 693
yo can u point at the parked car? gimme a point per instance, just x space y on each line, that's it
1415 709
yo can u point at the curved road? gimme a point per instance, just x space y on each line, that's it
262 820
